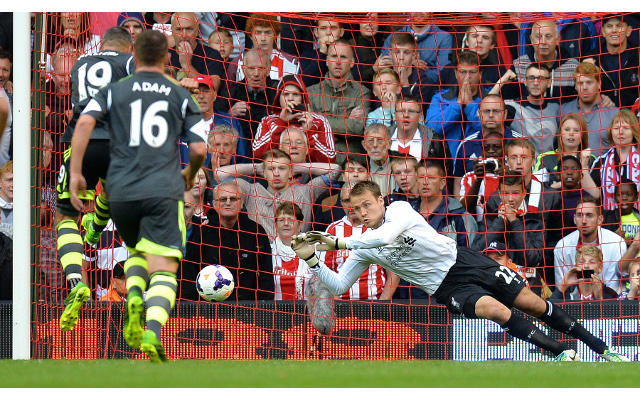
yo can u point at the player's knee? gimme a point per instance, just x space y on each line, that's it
490 308
61 216
530 303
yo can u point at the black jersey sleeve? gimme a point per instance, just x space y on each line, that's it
195 129
98 106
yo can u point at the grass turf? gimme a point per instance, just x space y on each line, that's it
323 374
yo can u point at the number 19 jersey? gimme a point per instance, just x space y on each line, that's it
89 74
147 115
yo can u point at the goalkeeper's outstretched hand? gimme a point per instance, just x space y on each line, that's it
327 241
305 250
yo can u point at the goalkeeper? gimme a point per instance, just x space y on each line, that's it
468 282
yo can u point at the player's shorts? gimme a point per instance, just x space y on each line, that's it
474 275
153 226
94 168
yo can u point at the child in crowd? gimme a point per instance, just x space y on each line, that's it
386 88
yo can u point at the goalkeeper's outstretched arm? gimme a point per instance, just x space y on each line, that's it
337 283
384 235
340 282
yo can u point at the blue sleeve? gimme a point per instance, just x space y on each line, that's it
441 115
244 153
385 46
444 44
432 74
458 166
471 113
184 156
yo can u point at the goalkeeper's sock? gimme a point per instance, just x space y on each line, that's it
556 318
70 249
102 214
161 298
521 328
137 272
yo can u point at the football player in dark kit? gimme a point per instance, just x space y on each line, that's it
89 74
148 114
466 281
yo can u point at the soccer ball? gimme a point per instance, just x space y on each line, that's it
214 283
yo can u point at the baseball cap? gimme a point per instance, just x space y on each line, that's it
496 246
205 80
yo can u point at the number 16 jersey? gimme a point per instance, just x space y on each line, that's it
147 115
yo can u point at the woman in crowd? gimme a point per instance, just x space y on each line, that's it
573 140
622 159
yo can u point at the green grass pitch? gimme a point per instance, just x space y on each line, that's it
321 374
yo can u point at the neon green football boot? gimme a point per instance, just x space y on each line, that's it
91 237
133 328
152 347
74 302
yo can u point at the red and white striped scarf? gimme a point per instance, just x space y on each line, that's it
610 175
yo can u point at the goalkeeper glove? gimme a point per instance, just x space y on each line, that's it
329 242
305 251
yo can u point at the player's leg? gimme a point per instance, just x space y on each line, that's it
127 218
477 286
162 240
70 248
137 275
556 318
94 223
159 302
489 308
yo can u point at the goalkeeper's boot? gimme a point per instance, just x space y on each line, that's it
568 355
133 328
91 236
74 302
152 347
613 356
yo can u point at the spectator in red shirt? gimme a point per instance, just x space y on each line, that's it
291 109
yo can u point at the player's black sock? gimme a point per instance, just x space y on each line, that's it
70 250
137 272
102 215
519 327
556 318
160 300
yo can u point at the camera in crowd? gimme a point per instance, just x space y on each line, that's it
490 164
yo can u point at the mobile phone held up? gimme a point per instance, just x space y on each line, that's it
586 273
299 108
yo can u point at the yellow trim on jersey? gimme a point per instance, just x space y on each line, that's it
67 195
148 247
182 224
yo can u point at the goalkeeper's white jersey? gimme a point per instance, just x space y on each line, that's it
405 244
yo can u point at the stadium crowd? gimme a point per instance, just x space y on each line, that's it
517 139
